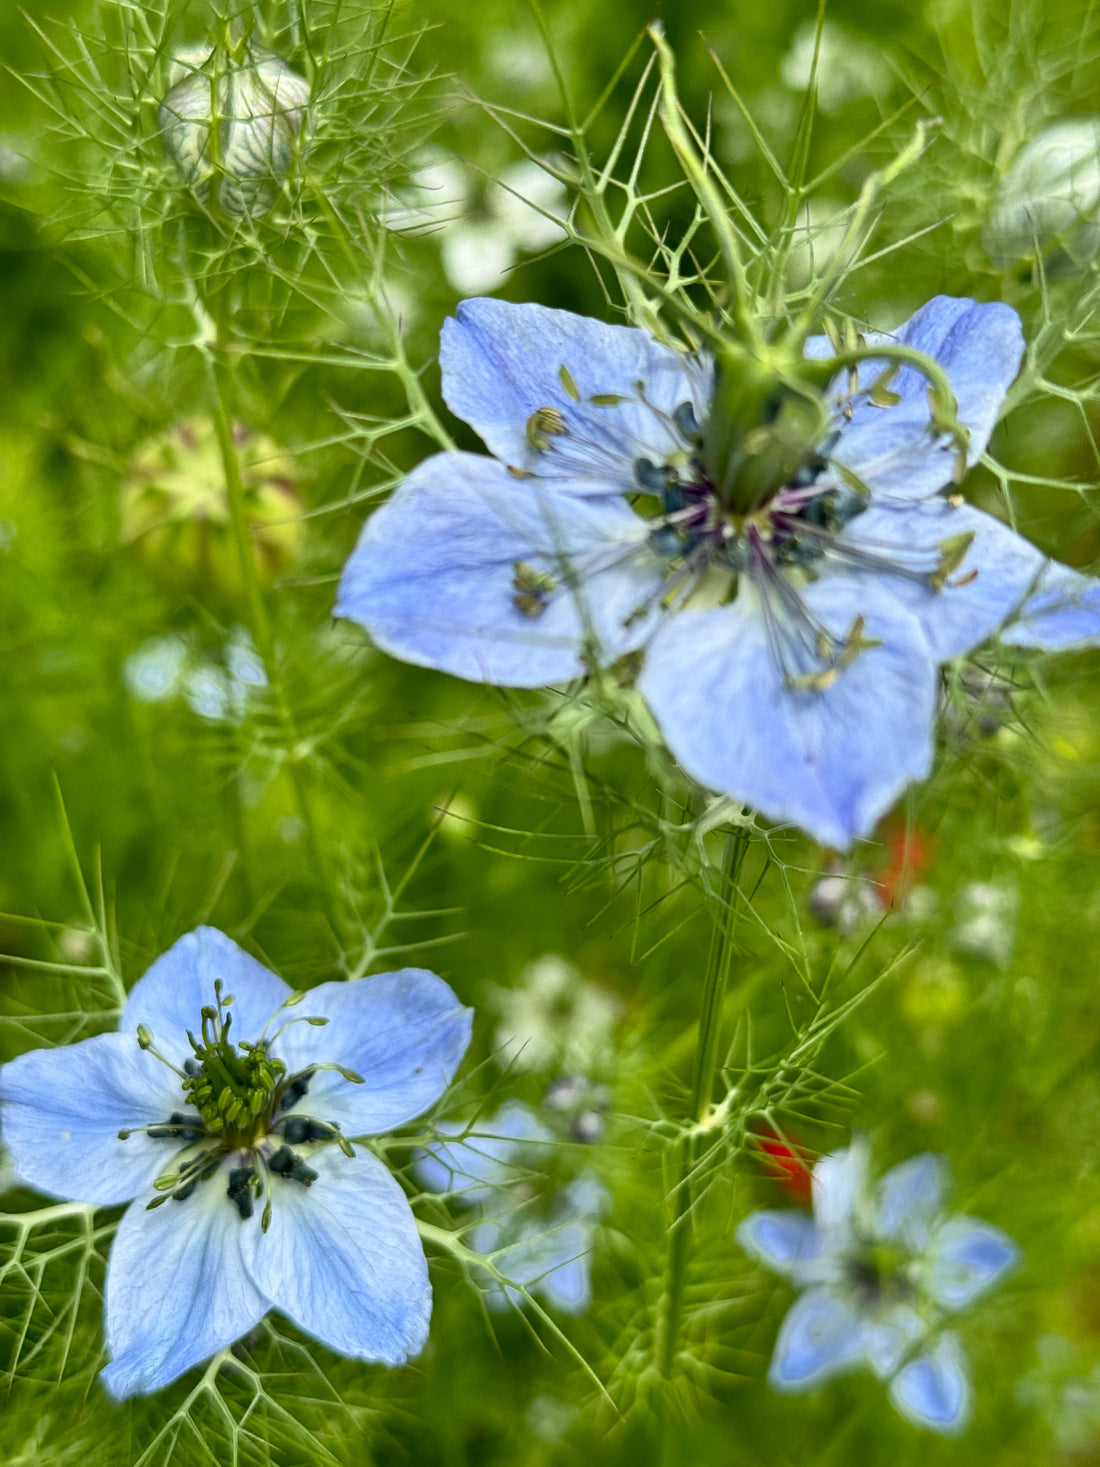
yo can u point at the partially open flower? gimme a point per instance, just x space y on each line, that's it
235 119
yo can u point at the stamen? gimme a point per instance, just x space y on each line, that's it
543 424
532 588
240 1191
291 1167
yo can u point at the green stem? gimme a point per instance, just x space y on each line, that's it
260 622
702 1094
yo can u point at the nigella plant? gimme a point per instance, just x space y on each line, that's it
224 1120
771 532
537 1226
881 1269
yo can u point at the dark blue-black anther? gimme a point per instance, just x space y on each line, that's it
651 477
298 1087
301 1128
239 1190
685 419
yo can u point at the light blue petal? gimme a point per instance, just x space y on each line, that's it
170 996
781 1241
61 1111
1000 568
966 1257
405 1033
342 1258
841 1189
493 1152
890 1336
177 1288
434 576
910 1198
503 362
830 761
890 448
934 1389
546 1250
1063 612
821 1336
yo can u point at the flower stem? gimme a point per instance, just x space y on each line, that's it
702 1092
260 622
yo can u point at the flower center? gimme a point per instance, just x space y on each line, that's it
762 430
246 1127
233 1086
879 1273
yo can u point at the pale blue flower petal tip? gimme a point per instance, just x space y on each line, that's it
261 1200
809 692
882 1270
933 1390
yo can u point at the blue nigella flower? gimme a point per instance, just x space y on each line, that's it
538 1231
223 1119
881 1269
794 607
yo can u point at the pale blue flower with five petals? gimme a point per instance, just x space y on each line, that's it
539 1231
791 646
881 1268
232 1149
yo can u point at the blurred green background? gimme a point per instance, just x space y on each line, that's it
134 732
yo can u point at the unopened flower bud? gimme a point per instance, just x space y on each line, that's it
237 120
175 509
1048 202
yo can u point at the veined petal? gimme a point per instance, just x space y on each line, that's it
934 1389
502 363
821 1336
177 1288
831 760
62 1110
965 1258
446 575
1063 612
995 574
487 1158
909 1199
405 1033
891 449
782 1241
343 1260
169 997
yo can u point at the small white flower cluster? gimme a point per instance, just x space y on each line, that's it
481 233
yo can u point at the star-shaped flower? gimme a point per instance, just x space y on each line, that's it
881 1270
537 1226
794 576
223 1118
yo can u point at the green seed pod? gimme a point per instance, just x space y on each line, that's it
1049 200
237 120
175 510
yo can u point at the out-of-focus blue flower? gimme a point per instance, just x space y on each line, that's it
881 1268
792 639
173 666
538 1231
245 1193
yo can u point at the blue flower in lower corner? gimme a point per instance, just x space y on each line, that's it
881 1270
537 1227
223 1118
773 537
